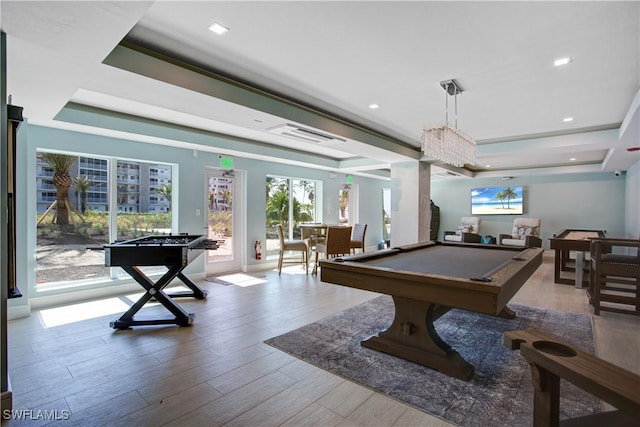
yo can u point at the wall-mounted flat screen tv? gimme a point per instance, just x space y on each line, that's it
497 201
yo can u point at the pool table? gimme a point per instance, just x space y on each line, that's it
426 280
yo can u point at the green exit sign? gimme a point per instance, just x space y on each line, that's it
226 162
349 179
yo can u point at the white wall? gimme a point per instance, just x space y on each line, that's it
581 201
597 200
190 194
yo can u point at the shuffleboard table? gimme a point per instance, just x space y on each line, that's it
572 240
426 280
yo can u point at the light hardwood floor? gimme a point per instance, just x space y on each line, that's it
219 371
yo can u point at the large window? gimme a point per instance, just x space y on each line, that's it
344 199
290 202
74 216
386 214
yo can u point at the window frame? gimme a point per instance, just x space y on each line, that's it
115 274
317 203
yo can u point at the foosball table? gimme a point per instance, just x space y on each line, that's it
174 252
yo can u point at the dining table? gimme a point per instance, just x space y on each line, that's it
315 232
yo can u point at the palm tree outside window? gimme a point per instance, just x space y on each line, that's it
289 202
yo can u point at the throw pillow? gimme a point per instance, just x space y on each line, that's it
522 231
463 228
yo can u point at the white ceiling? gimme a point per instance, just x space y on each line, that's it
325 62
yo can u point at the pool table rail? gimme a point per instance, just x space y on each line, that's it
459 292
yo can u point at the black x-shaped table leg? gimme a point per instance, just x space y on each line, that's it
155 290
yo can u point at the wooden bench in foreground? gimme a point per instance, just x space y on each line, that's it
550 360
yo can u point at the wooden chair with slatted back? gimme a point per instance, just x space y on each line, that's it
614 277
337 243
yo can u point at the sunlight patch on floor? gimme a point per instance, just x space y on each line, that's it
241 279
82 311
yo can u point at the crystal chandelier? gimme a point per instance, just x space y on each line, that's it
445 141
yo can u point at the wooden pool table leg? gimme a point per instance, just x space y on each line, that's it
507 313
412 336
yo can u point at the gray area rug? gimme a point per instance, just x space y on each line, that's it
500 394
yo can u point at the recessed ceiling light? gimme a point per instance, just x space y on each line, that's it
374 106
573 159
567 119
561 61
218 28
487 166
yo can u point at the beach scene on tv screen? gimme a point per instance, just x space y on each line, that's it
496 201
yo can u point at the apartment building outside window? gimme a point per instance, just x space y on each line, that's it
63 254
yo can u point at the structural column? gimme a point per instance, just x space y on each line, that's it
410 202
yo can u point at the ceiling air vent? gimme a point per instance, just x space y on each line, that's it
305 134
436 171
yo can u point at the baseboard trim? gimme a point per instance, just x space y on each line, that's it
257 268
6 398
18 311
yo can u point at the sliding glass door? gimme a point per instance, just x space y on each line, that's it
223 194
290 202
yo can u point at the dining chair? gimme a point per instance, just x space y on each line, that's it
614 276
337 243
315 232
292 245
357 238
